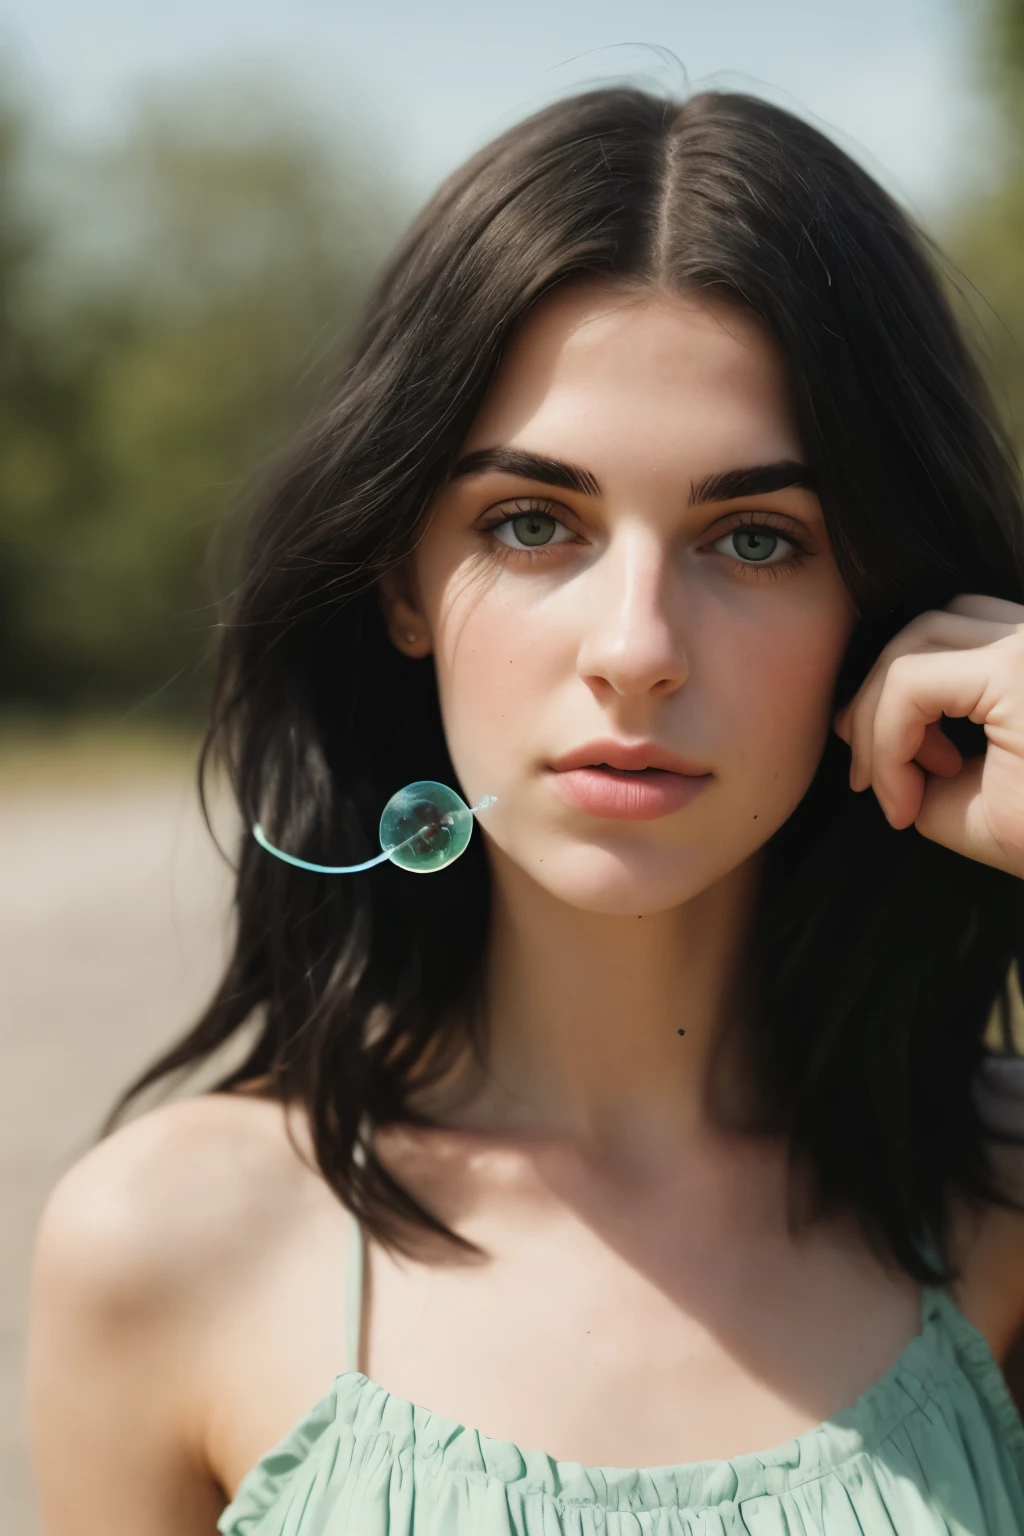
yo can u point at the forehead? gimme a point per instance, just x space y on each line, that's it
594 369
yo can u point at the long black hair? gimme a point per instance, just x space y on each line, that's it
876 956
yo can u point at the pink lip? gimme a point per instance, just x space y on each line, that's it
608 752
627 796
627 780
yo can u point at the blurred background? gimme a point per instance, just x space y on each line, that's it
193 199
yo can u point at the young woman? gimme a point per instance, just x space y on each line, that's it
629 1174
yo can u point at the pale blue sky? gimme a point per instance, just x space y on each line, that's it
890 78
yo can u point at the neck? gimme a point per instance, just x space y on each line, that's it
600 1030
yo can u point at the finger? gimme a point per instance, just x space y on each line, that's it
917 691
978 606
930 631
953 814
937 754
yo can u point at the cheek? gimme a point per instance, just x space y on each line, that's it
495 671
776 685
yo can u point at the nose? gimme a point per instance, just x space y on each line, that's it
632 639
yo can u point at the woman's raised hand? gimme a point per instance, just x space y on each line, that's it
966 659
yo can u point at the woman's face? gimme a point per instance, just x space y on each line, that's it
630 554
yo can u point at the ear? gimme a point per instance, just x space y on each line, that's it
402 615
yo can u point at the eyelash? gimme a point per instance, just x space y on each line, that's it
758 568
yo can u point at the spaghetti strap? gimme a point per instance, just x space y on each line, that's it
354 1294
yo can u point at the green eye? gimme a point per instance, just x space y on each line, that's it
758 544
754 543
533 528
530 528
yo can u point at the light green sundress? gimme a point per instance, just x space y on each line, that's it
935 1447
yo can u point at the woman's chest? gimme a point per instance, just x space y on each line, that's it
639 1354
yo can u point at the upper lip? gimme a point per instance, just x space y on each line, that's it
625 754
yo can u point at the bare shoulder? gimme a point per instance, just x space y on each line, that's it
193 1187
147 1247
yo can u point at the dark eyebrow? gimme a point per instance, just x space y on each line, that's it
730 484
758 480
531 466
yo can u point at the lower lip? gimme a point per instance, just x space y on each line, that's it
623 796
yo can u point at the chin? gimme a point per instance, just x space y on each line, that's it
642 883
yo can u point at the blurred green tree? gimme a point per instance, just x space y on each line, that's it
44 408
984 232
1003 57
191 312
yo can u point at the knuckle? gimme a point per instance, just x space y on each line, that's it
921 631
900 668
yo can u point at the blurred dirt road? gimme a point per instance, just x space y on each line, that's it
113 924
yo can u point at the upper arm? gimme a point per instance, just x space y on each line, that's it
113 1395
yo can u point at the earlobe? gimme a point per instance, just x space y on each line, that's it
412 642
404 622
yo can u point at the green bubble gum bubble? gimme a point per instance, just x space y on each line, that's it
425 826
